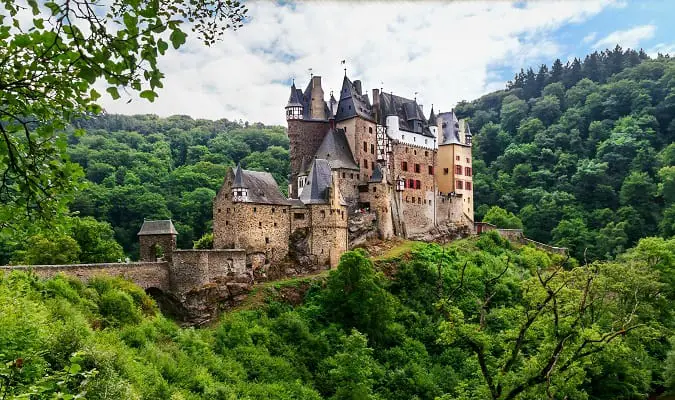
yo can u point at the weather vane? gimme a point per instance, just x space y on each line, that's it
343 62
416 96
310 73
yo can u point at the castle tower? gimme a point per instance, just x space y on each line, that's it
307 117
157 239
454 166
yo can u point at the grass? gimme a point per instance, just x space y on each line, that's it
403 247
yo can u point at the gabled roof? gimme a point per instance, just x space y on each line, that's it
300 98
407 111
335 149
352 103
318 183
157 227
262 188
449 129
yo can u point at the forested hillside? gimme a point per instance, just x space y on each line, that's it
148 167
581 153
478 319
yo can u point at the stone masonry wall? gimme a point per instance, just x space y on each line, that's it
148 243
305 137
379 197
257 228
417 205
329 233
144 274
360 132
193 269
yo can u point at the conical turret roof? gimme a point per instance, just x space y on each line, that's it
238 182
294 98
432 117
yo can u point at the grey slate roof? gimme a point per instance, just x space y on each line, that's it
449 129
432 116
352 103
157 227
408 111
238 178
294 98
298 98
335 149
318 183
262 188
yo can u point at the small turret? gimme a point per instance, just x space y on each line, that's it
294 108
239 189
432 117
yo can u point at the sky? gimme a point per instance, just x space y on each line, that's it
439 52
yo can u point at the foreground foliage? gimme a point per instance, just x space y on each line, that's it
475 320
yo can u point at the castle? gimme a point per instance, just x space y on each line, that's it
349 156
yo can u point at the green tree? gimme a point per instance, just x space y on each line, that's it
56 249
513 111
502 218
53 61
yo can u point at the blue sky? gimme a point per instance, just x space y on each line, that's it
445 51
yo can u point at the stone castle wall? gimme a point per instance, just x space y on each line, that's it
148 247
144 274
304 137
193 269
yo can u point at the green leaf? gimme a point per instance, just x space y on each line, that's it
148 94
113 92
75 368
177 38
39 23
162 46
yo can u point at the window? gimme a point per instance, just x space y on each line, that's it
406 149
404 165
272 210
370 130
467 159
419 200
426 153
460 185
372 148
227 211
259 224
343 175
227 223
415 152
365 163
468 186
255 209
467 171
351 176
365 146
446 171
411 183
431 169
418 184
457 158
458 169
323 213
298 216
284 211
417 168
403 138
374 189
267 240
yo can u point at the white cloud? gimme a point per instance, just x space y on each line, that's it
441 50
629 38
663 48
589 38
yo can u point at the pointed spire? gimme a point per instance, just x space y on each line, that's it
294 99
238 177
432 116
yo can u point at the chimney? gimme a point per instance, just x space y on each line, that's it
316 82
357 86
376 103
